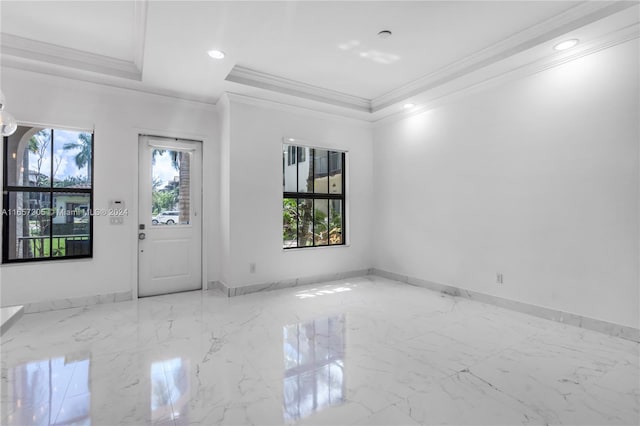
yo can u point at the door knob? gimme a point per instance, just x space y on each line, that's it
142 236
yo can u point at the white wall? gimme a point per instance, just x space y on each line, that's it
225 187
118 116
536 179
254 207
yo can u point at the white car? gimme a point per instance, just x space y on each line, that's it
166 218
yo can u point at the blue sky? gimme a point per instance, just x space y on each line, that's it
163 169
68 164
64 160
65 165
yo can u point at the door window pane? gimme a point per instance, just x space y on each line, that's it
321 222
171 187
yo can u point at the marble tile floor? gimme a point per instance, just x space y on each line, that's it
359 351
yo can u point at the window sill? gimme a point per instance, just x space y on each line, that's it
299 249
45 261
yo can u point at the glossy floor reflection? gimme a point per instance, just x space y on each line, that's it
360 351
313 366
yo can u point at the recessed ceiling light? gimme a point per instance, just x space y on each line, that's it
384 34
409 105
567 44
216 54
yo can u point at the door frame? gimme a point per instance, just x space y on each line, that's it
134 210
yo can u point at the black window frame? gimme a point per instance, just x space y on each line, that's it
51 190
311 194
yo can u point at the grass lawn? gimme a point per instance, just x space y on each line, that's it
40 247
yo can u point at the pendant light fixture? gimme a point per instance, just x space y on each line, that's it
8 123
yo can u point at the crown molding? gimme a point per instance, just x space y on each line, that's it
228 98
11 62
26 48
463 87
576 17
261 80
140 31
615 38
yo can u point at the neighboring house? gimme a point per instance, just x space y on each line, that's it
70 208
297 163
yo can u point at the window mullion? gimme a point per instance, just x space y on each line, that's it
297 198
313 200
91 206
51 196
298 221
344 199
5 173
5 218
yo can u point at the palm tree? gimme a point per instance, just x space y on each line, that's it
83 157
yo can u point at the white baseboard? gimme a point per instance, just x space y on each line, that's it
295 282
612 329
76 302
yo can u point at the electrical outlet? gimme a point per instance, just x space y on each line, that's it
499 278
252 268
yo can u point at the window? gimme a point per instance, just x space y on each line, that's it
313 201
47 195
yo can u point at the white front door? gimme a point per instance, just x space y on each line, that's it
170 219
